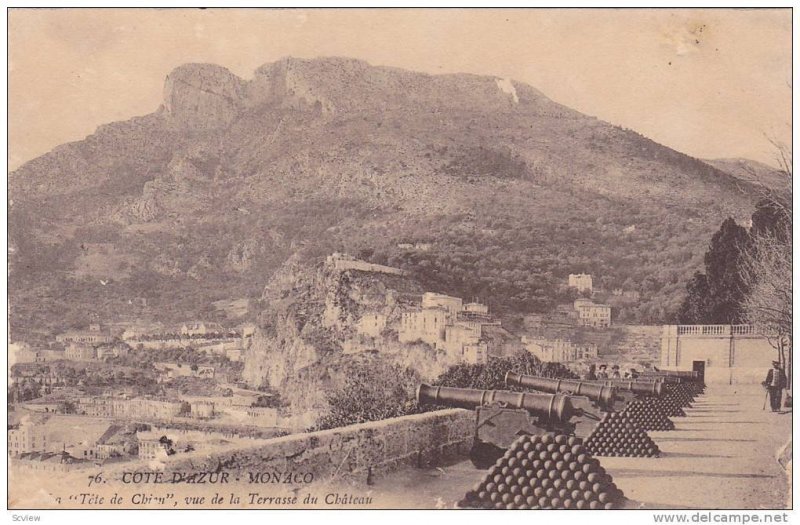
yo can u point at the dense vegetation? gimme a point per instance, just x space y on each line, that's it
720 294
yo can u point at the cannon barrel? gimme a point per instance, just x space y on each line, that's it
663 378
655 388
600 393
551 407
671 375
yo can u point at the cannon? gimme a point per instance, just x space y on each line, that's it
503 416
637 387
603 395
684 374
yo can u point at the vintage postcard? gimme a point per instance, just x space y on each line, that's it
400 259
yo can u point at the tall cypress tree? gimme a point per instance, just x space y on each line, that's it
717 297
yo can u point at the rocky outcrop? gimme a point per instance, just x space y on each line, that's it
203 97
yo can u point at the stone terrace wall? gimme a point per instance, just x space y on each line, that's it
355 451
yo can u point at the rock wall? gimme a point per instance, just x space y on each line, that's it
352 452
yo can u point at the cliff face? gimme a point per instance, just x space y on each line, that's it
309 336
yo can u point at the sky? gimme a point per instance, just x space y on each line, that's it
710 83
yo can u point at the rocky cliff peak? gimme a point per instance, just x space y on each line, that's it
203 96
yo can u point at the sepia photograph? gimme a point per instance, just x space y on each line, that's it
403 258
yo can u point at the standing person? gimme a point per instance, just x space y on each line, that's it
602 374
634 373
591 375
615 373
775 383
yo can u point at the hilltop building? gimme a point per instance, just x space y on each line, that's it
341 262
453 305
593 314
581 281
94 335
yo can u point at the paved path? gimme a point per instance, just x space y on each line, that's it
721 455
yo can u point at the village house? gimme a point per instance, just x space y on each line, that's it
111 443
559 350
154 445
426 325
26 438
453 305
593 314
201 328
94 335
80 352
30 355
114 407
446 323
580 281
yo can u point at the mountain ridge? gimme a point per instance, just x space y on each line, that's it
207 196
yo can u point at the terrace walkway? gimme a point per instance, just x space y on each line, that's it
721 455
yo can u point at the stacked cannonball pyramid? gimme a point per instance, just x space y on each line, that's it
545 472
617 434
681 393
693 387
648 415
670 406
